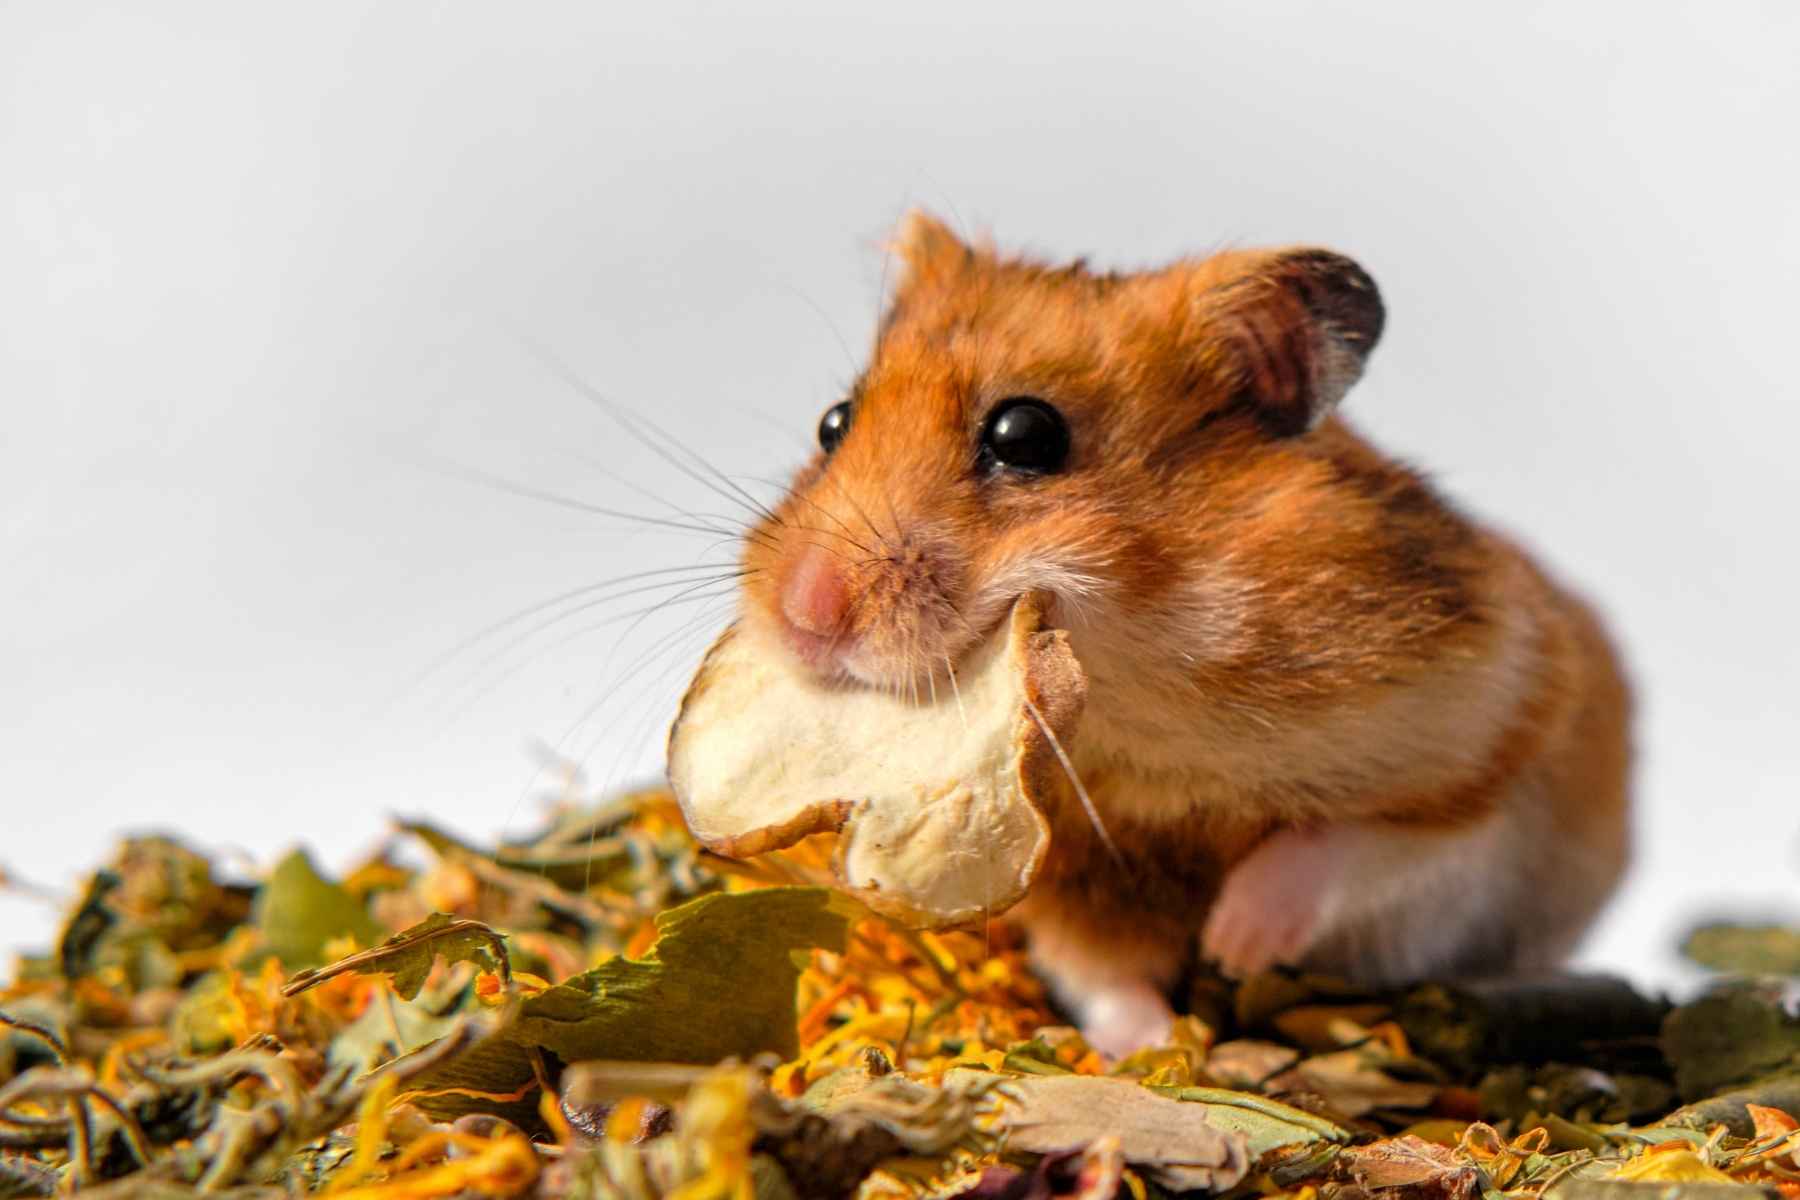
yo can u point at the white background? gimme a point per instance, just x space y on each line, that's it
267 270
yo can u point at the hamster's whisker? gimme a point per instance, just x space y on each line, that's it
828 549
887 498
1081 792
675 639
818 311
689 595
636 425
827 477
716 576
917 664
840 522
474 475
910 659
869 555
736 493
840 628
955 690
703 622
753 537
500 626
966 623
723 521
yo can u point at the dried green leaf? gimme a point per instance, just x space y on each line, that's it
20 1176
1680 1165
1580 1093
1733 1035
580 852
90 922
719 983
922 1119
1258 999
1619 1189
1321 1028
1745 949
1729 1108
386 1030
1176 1143
1247 1063
851 1120
1268 1125
1353 1083
1414 1167
408 955
299 911
1528 1019
1035 1057
575 867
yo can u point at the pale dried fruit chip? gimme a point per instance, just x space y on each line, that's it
938 805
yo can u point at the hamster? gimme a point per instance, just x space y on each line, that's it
1332 722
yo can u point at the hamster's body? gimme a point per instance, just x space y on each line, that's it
1330 721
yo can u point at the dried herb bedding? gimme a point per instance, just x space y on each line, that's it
600 1011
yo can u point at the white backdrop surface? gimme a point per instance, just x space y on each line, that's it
268 268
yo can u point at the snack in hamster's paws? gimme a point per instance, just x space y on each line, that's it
937 804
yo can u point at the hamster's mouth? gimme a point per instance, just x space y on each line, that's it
922 661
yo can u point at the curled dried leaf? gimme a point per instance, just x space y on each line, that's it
408 955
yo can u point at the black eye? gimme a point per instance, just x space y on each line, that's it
1025 435
834 425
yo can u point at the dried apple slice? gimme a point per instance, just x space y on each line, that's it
938 806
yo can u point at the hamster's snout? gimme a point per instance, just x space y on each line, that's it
882 618
815 606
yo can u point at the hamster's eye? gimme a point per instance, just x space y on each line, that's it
1025 435
834 425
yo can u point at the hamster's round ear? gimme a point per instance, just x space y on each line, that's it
1303 322
928 247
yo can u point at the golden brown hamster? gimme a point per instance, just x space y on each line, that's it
1331 721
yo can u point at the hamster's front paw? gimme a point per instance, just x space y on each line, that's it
1274 904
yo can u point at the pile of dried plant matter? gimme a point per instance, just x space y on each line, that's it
599 1011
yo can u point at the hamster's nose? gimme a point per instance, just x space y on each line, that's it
815 598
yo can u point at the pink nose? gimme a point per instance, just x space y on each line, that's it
815 599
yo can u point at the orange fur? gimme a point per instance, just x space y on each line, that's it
1283 629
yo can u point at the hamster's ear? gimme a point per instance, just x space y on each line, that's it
927 247
1297 324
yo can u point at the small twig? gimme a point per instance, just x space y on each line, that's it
74 1086
41 1032
81 1141
136 1140
539 1071
571 904
401 944
226 1069
11 881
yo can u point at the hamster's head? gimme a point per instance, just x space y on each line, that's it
1145 448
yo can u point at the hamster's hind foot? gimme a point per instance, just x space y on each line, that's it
1124 1017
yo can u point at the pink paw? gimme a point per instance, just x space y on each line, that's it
1117 1020
1274 904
